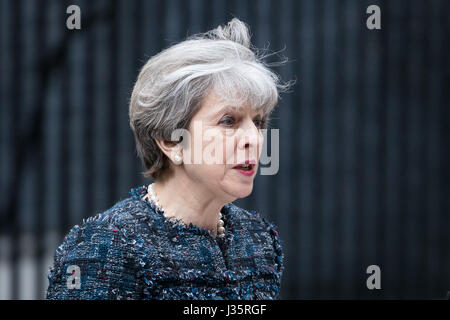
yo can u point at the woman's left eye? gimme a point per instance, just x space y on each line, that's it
259 123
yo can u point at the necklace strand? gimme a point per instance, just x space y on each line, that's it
154 199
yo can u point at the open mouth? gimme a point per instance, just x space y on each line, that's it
245 167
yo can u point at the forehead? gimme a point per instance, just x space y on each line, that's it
214 105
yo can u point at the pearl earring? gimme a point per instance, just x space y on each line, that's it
178 159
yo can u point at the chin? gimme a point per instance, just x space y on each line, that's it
242 190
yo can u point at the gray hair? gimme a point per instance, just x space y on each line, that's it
172 85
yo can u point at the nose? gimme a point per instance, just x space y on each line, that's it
249 137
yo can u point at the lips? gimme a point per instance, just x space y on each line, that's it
246 166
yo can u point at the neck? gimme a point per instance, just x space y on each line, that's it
188 201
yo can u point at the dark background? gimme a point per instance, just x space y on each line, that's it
364 160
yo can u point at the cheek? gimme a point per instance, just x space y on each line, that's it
229 149
220 150
206 174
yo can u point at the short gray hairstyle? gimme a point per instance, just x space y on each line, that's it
172 85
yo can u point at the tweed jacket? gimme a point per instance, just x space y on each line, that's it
132 251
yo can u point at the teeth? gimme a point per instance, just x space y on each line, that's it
245 166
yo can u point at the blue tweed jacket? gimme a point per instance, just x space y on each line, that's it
132 251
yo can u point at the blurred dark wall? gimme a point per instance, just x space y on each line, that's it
364 160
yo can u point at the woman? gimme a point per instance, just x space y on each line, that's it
182 237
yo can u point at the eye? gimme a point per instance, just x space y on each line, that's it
227 121
259 123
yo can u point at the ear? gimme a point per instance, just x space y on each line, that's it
169 148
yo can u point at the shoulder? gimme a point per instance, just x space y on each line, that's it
105 228
112 221
102 250
122 221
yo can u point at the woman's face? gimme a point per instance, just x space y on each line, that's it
221 139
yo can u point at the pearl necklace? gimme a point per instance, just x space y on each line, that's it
154 199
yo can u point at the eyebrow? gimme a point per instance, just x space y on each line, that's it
230 108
